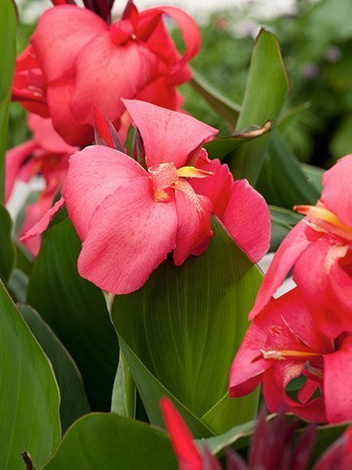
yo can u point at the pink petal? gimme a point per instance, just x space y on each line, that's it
62 32
336 194
123 71
190 32
305 393
65 122
193 215
159 92
275 381
46 136
289 251
129 236
34 214
338 455
168 136
340 280
248 365
338 383
311 274
187 453
14 159
247 219
94 174
44 222
218 188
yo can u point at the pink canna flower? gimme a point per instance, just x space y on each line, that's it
76 61
319 249
130 217
46 154
284 343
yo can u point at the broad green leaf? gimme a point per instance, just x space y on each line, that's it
180 332
220 103
325 436
314 176
74 402
266 89
76 311
18 285
7 249
24 259
282 222
8 25
282 181
109 442
29 395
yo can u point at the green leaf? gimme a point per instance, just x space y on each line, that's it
314 176
222 146
282 222
8 26
7 249
76 311
266 89
74 402
180 332
220 103
29 396
237 437
282 181
109 442
123 400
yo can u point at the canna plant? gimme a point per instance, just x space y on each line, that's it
129 282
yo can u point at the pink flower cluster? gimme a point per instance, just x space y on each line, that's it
307 333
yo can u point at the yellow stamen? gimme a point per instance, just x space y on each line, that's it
287 354
192 172
321 213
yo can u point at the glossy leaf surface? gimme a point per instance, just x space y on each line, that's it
29 395
76 311
180 332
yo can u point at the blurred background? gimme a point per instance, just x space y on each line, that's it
316 42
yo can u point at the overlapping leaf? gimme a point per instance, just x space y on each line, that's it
180 332
75 309
29 396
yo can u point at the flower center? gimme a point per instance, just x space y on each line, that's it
166 177
323 220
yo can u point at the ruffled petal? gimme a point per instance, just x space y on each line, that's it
187 453
340 282
129 236
168 136
64 120
336 194
300 237
275 382
217 188
14 159
247 219
190 32
338 383
62 32
311 274
44 222
46 136
94 174
193 229
118 72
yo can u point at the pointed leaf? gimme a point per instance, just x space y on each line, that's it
221 104
266 89
76 311
74 402
108 441
185 326
29 396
